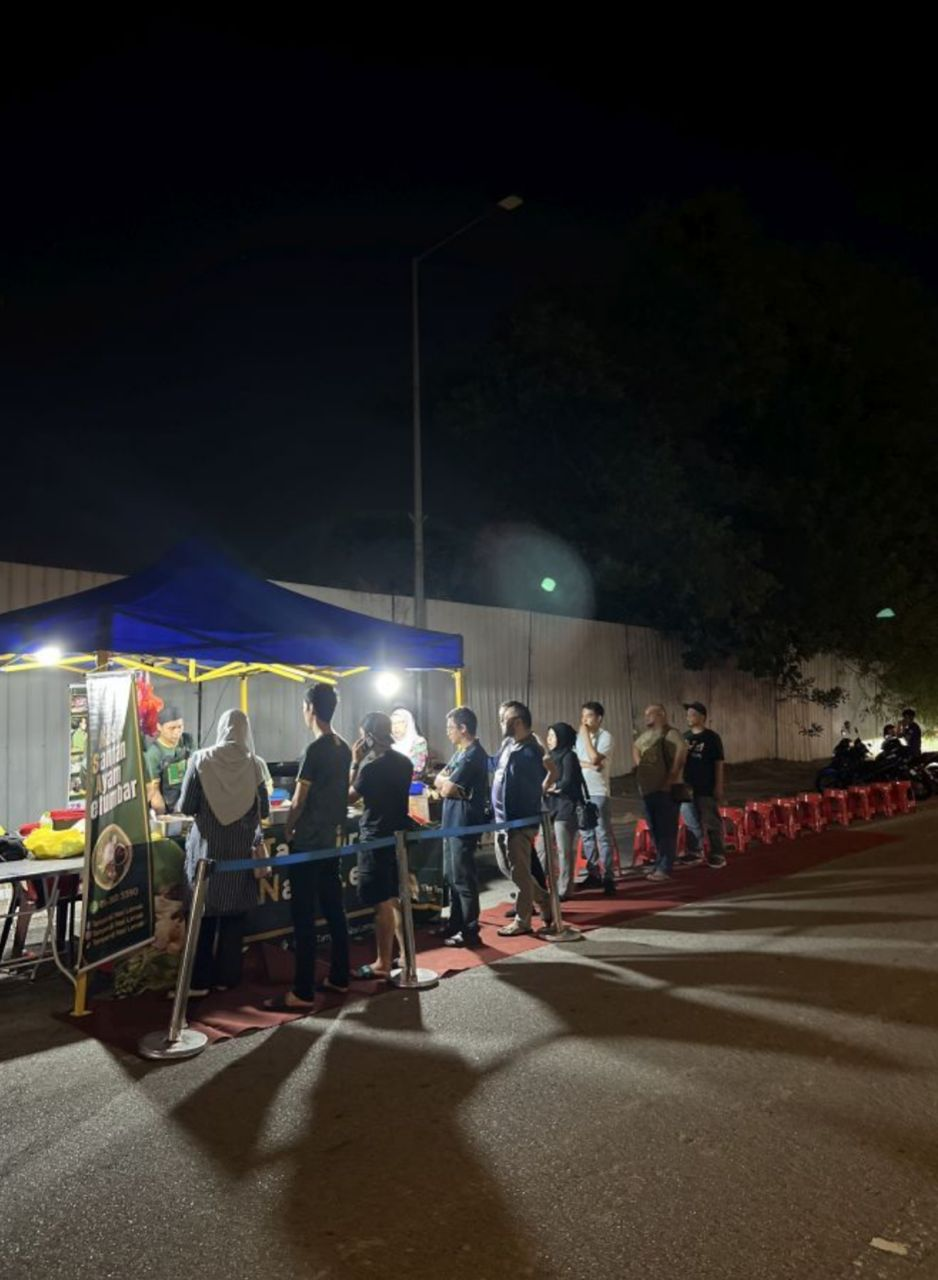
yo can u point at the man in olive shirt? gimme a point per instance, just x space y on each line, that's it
659 754
165 760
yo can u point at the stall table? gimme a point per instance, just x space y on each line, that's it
50 872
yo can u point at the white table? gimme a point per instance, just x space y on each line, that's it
51 871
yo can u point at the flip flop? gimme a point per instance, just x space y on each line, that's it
278 1004
368 974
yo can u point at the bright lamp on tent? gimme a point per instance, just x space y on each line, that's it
48 655
387 683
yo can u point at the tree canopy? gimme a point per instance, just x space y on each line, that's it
736 435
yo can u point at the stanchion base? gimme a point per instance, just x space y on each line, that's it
566 933
155 1045
423 979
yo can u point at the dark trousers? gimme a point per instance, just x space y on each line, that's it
662 813
312 884
459 872
219 952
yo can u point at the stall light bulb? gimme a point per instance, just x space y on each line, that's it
387 683
48 655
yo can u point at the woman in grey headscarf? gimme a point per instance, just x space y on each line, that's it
224 792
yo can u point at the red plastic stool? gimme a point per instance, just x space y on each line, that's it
681 837
786 816
835 806
858 803
881 798
760 815
809 807
643 847
903 797
735 830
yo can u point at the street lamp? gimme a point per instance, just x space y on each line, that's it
508 205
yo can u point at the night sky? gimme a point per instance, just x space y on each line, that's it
207 234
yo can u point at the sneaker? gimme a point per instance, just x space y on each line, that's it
514 930
690 859
463 940
609 889
717 860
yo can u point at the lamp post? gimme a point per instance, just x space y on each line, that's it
508 204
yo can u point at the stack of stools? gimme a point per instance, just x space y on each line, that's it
903 797
858 803
760 821
881 798
786 816
809 806
643 847
835 806
735 830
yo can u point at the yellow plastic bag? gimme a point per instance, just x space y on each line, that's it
46 843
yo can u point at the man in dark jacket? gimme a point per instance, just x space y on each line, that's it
517 792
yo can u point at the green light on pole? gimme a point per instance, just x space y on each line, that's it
548 585
886 613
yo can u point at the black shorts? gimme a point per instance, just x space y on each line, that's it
377 876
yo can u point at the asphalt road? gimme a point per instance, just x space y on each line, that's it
742 1088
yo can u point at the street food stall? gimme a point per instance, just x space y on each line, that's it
194 618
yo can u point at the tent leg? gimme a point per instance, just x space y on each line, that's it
244 694
457 685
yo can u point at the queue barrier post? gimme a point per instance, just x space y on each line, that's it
556 931
180 1041
408 977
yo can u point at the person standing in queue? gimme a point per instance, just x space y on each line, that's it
381 779
594 745
521 776
317 814
703 773
659 754
165 760
223 791
463 785
562 798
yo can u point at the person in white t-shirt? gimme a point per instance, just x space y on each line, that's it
594 746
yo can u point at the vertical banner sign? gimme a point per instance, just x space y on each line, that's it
77 745
118 877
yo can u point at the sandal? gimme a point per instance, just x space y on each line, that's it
367 973
278 1004
514 930
657 877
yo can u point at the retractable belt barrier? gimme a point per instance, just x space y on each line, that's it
181 1041
386 842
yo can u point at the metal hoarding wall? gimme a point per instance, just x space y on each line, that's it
552 663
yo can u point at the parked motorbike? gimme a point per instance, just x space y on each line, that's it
853 766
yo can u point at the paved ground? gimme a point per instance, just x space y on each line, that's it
743 1088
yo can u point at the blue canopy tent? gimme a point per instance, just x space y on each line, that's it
196 615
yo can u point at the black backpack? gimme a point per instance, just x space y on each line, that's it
12 849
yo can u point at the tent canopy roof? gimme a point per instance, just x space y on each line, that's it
198 604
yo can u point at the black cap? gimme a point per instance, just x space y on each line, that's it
167 713
696 706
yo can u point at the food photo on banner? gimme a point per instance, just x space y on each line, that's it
118 874
77 745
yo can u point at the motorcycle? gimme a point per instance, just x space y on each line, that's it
852 766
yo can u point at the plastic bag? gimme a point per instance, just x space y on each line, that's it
46 843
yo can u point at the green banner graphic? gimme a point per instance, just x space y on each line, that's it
118 877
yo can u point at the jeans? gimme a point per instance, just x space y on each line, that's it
221 967
702 814
459 872
565 832
598 845
514 851
312 882
662 813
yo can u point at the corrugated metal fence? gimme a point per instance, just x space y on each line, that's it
551 663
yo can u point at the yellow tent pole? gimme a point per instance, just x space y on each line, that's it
80 1007
244 693
457 684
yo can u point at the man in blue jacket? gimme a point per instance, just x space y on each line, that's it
517 792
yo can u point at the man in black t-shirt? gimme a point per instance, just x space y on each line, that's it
703 773
317 821
463 784
381 779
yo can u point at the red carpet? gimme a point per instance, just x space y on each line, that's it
269 969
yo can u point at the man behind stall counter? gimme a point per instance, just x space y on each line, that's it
164 760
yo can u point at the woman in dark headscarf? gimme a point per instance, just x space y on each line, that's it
562 799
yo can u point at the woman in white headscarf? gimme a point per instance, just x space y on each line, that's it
408 741
224 792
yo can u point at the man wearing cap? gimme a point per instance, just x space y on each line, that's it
703 773
165 758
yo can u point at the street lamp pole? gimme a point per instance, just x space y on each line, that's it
508 204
